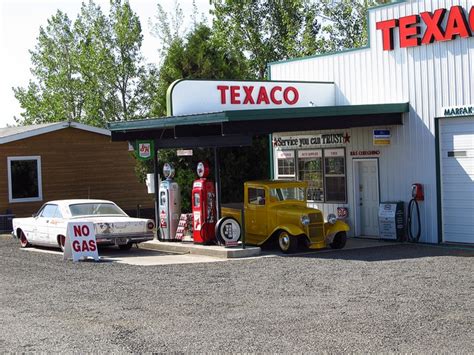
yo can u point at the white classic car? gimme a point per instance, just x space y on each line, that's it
111 224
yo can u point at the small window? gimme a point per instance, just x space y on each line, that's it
286 164
335 175
256 196
24 179
48 211
197 199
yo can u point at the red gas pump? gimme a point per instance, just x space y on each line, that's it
204 206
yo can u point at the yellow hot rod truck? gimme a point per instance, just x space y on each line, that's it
278 209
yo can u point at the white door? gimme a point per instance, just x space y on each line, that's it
367 196
457 179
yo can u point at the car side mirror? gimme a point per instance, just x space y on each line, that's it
34 215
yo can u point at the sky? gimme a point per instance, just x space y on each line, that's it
20 21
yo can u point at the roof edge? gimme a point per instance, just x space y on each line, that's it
52 128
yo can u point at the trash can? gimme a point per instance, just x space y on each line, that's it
392 220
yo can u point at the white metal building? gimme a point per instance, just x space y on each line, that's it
420 53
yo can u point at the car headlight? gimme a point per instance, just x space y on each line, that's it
332 218
304 220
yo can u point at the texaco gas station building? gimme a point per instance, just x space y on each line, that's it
361 126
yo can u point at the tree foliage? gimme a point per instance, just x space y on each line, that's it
267 30
346 23
90 70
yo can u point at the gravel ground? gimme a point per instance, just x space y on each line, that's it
402 298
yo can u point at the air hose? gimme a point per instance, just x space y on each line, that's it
411 237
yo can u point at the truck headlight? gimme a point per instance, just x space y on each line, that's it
332 218
304 220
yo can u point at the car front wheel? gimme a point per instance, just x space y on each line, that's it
288 243
23 241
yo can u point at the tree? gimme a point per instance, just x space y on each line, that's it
90 71
346 26
199 55
268 30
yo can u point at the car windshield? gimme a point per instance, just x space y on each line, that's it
288 193
95 209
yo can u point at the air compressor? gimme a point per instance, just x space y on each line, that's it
417 195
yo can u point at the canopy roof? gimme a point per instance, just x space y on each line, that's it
236 128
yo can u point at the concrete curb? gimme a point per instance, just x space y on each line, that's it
208 250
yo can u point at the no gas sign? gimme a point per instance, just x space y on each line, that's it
80 241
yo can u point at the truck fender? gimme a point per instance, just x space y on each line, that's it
289 228
332 229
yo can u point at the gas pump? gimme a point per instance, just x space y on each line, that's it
169 204
204 206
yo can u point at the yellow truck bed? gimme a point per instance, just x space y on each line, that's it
233 210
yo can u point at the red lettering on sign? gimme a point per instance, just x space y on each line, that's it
92 245
222 89
80 231
234 95
272 95
387 33
248 95
433 32
76 246
262 96
471 18
408 31
286 96
457 24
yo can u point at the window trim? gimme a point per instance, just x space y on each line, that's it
38 171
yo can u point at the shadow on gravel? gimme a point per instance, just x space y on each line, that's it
392 252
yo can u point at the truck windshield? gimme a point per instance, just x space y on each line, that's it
288 193
95 209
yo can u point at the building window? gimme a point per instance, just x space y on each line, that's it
286 164
323 169
335 175
24 179
310 169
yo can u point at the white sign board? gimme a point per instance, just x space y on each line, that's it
80 241
187 97
456 111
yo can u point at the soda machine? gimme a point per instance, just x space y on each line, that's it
204 206
169 204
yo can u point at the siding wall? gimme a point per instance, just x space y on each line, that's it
76 164
429 77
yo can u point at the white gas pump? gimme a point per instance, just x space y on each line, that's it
169 204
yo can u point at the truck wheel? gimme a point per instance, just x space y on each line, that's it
288 243
339 240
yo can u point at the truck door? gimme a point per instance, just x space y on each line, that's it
256 215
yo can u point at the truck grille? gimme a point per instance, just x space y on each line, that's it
315 230
316 225
315 218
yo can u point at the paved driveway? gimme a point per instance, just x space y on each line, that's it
399 298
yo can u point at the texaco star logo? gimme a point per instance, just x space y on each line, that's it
347 138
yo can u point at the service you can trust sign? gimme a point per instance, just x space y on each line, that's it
187 97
